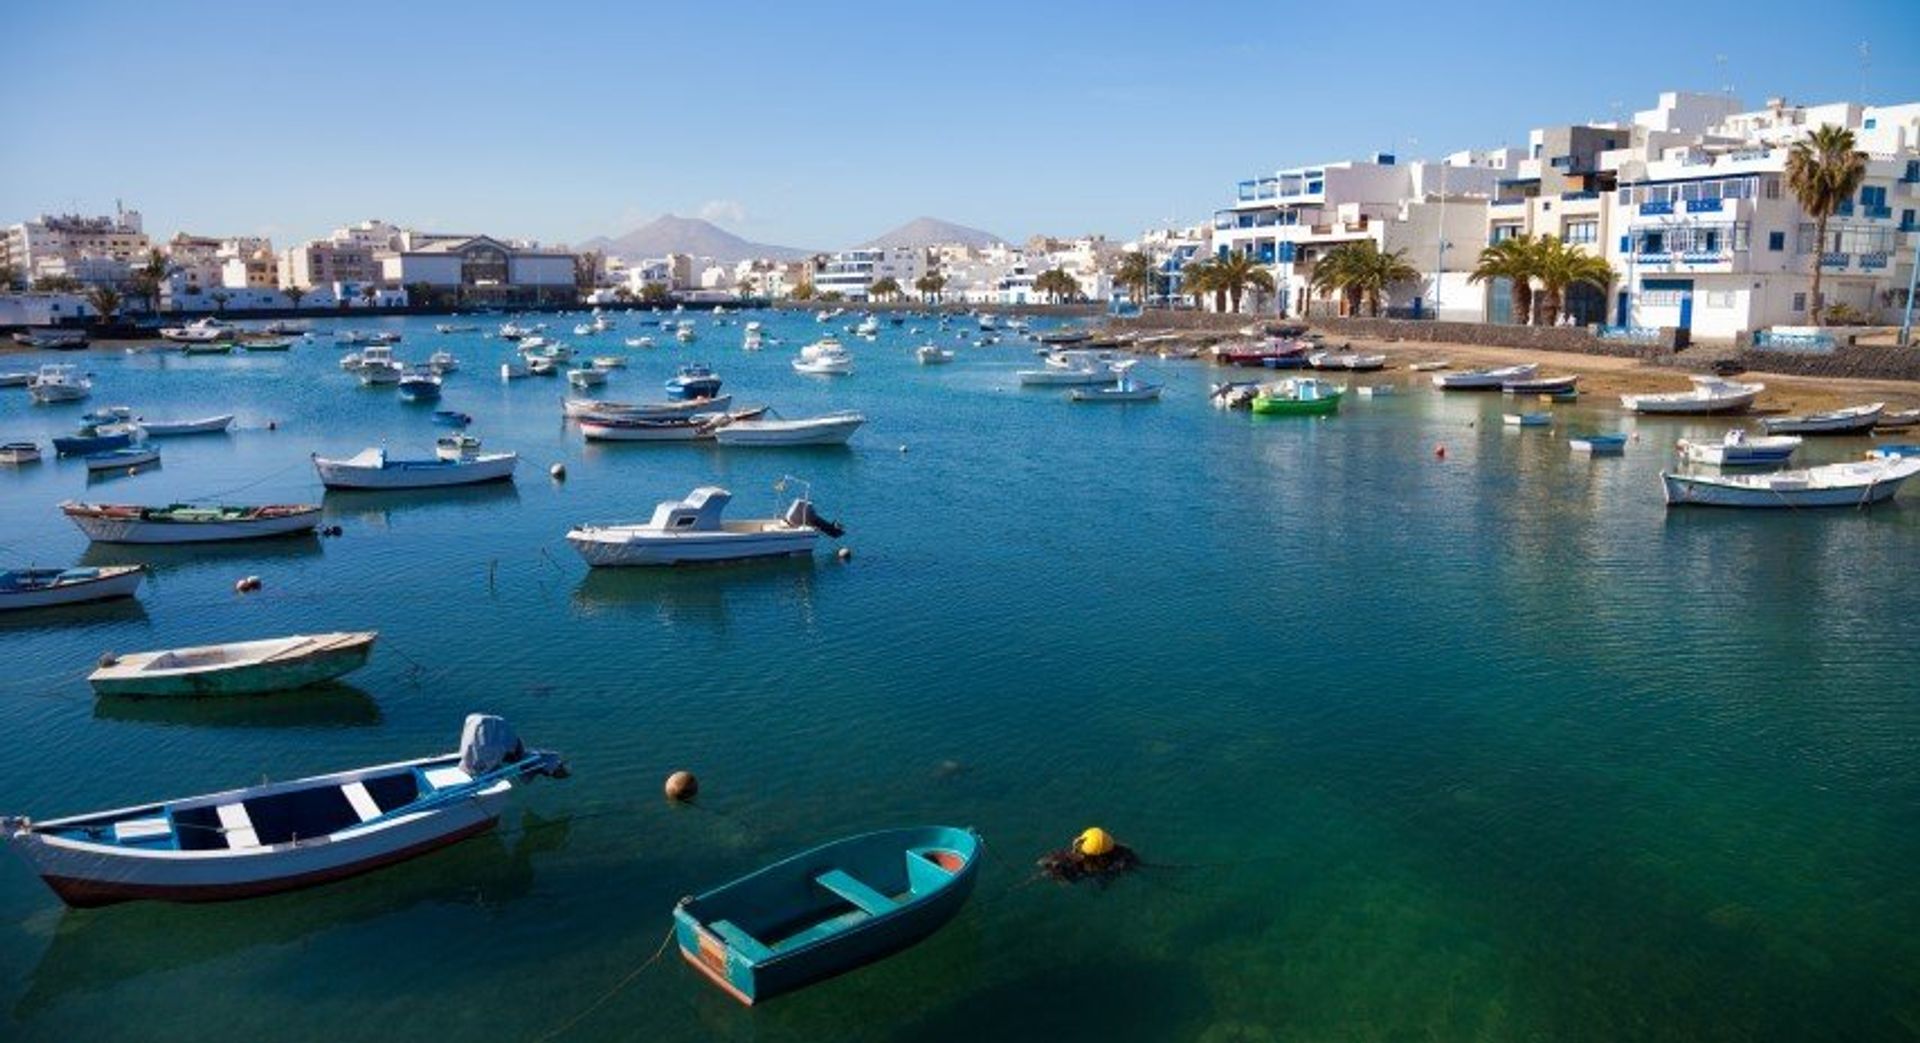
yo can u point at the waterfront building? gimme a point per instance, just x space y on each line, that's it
324 261
850 272
480 269
257 269
75 246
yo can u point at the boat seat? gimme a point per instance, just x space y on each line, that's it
869 901
362 801
441 778
135 829
237 826
740 941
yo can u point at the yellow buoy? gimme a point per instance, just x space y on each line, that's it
1094 842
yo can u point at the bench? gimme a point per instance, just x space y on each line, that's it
740 941
869 901
237 826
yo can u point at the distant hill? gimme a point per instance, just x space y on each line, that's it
668 234
925 231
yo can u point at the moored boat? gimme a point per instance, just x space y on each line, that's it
268 344
91 440
451 418
420 385
824 357
238 668
1897 421
122 459
282 836
59 382
208 347
695 380
1526 419
19 452
42 588
689 428
1123 389
1484 379
828 910
933 355
52 339
1853 420
172 428
1541 385
691 530
829 429
1597 444
374 469
188 523
1708 395
1738 449
1854 484
1346 360
199 331
1300 396
576 408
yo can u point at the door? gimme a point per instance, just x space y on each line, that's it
1686 310
1620 310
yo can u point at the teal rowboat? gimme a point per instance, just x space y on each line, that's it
827 911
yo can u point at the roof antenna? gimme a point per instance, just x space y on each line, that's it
1866 66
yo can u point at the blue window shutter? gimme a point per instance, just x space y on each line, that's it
1626 243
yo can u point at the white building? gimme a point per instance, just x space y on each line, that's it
480 268
61 244
850 272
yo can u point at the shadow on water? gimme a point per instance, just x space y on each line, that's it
374 507
332 705
694 593
162 558
95 949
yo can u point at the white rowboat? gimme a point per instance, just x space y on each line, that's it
1856 484
187 523
240 668
372 469
41 588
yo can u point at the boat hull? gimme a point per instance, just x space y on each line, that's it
654 549
102 529
209 426
416 474
1684 490
257 678
774 433
1296 407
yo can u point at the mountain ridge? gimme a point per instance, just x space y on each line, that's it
670 233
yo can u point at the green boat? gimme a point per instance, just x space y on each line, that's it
271 344
209 348
1300 396
827 911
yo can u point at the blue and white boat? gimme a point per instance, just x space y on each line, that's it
827 911
1739 449
695 380
282 836
373 469
41 588
1597 444
420 385
89 441
122 459
451 418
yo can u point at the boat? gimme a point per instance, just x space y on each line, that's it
268 344
1069 368
15 379
870 327
240 668
19 453
122 459
543 365
1893 452
44 588
685 333
609 362
1484 379
1597 444
933 355
374 469
577 408
443 362
173 428
690 428
695 380
351 337
451 418
826 911
587 377
1736 449
1346 360
824 357
1300 396
1373 390
1853 420
828 429
584 329
448 327
374 374
282 836
188 523
52 339
1272 354
420 385
1709 395
1541 386
1124 388
1063 338
208 347
460 446
691 530
1526 419
639 342
91 440
509 331
58 382
199 331
1429 366
752 340
1896 421
1854 484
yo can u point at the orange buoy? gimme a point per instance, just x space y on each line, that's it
1439 452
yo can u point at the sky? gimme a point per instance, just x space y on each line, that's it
822 124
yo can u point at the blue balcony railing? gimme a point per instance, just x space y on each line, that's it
1705 257
1653 208
1844 209
1835 260
1873 262
1704 206
1510 202
1572 196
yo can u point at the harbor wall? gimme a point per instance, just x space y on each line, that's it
1859 361
1573 339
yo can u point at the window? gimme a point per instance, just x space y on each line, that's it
1871 123
1773 188
1776 241
1873 195
1799 302
1583 231
1654 243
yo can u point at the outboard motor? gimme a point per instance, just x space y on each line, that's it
487 742
801 514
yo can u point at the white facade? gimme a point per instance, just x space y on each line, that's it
61 244
850 272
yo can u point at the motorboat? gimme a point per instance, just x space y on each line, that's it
510 331
933 355
19 453
828 910
92 439
695 380
587 377
199 331
825 356
1299 396
1429 366
1738 449
44 588
577 408
448 327
1597 444
443 362
1855 484
868 327
1526 419
752 340
264 344
374 469
1124 388
691 530
1484 379
282 836
1541 386
1854 420
543 365
58 382
121 459
1271 354
366 337
685 333
374 374
829 429
1067 368
420 385
1708 395
188 523
451 418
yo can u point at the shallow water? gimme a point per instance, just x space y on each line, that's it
1493 746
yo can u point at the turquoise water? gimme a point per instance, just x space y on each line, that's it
1490 747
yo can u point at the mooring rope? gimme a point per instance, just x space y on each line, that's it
567 1025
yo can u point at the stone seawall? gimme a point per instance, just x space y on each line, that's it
1873 362
1577 340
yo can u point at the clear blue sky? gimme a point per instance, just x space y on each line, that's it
821 124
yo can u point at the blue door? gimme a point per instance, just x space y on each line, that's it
1621 310
1686 310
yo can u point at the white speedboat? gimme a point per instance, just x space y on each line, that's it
460 446
830 429
685 333
824 357
443 362
1855 484
380 373
868 327
1854 420
1709 395
188 523
1484 379
373 469
752 340
933 355
543 365
691 530
43 588
1737 449
58 382
609 361
1123 389
587 377
281 836
199 331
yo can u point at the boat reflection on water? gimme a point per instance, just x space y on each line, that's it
376 507
103 477
183 557
702 594
76 616
93 952
331 705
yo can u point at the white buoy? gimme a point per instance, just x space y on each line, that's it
559 472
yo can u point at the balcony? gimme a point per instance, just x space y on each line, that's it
1576 196
1653 208
1835 260
1873 262
1498 203
1703 206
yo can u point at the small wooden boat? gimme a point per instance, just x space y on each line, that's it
1484 379
1853 420
19 453
1540 385
1709 395
1346 360
41 588
1597 444
1738 449
576 408
661 429
1896 421
209 348
1526 419
268 344
241 668
1301 396
282 836
1429 367
833 909
373 469
172 428
188 523
1856 484
828 429
122 459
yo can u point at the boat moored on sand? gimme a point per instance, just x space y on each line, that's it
1708 395
1484 379
1854 420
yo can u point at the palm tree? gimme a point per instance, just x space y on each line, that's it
1235 273
1559 266
1372 271
1196 280
1824 170
930 285
220 299
371 293
1512 259
148 277
1136 275
883 288
1057 284
293 295
105 300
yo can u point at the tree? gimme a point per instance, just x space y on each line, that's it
1559 266
1237 272
220 299
105 300
1824 170
1057 284
802 292
930 285
9 276
371 293
57 284
1196 278
293 294
422 293
1364 271
655 293
1135 275
884 288
623 294
587 268
148 278
1512 259
832 297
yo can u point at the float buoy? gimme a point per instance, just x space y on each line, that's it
1094 841
247 585
1094 855
273 425
108 659
558 472
844 554
682 786
1439 452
